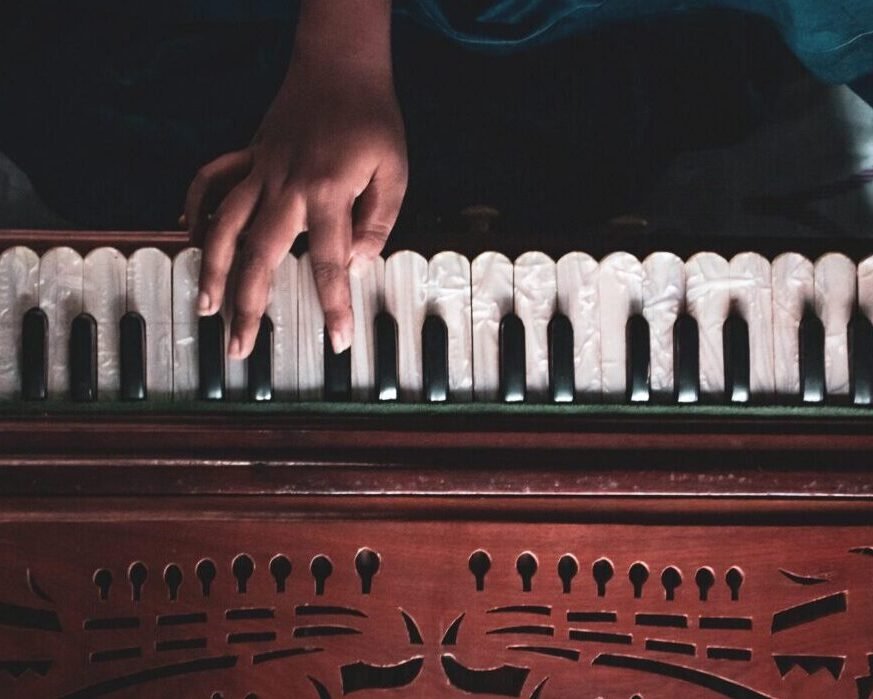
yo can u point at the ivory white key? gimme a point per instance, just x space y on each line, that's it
449 297
186 362
19 292
793 291
283 314
60 297
150 293
491 275
310 334
752 295
578 291
368 300
535 291
621 296
663 299
708 300
105 299
406 301
865 287
235 374
835 294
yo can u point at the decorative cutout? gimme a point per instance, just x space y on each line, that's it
259 658
810 664
670 646
808 612
319 687
479 564
251 637
450 637
111 623
28 618
505 681
243 567
535 629
137 574
250 613
539 689
17 668
103 581
734 580
182 619
803 579
317 610
206 573
602 570
705 579
319 631
568 568
726 623
361 676
104 656
180 644
173 579
412 629
539 609
638 574
676 621
592 616
526 565
565 653
280 569
36 589
600 637
671 579
725 653
367 565
321 569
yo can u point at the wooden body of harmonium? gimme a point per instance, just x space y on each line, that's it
589 547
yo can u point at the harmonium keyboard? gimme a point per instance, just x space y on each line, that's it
602 474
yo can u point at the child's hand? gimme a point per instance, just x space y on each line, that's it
333 138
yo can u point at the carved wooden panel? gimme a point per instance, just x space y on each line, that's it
199 607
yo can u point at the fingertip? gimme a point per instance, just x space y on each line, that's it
234 348
340 330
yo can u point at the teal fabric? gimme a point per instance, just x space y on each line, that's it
833 38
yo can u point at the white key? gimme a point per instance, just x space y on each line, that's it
835 294
186 361
751 295
449 297
150 293
535 291
310 335
19 292
235 370
621 296
368 300
60 297
865 287
663 299
491 274
283 314
406 301
792 279
105 299
578 290
708 300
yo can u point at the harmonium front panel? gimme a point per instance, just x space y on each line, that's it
424 547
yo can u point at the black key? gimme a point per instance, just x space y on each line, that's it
513 377
562 374
83 358
210 342
34 355
861 359
337 372
638 356
686 360
387 387
435 359
735 341
259 365
811 337
133 357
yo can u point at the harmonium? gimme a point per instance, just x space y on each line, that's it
633 472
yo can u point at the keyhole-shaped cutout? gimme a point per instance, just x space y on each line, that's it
243 567
217 695
734 580
602 570
638 574
568 568
280 569
367 565
321 569
206 573
137 574
479 564
526 565
705 579
671 579
173 579
103 581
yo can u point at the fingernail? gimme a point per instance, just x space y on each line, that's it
339 340
204 303
183 221
234 349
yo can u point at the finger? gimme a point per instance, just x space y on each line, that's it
220 244
376 213
210 185
330 234
270 238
